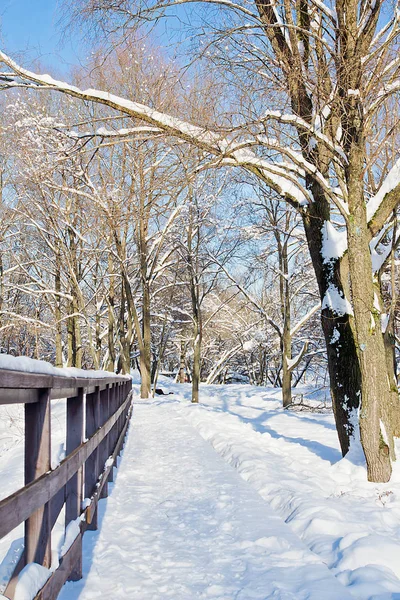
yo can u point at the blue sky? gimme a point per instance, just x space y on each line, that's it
31 25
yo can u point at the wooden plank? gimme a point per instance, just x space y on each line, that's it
112 436
19 506
26 395
21 379
86 382
37 463
92 463
73 495
73 489
18 379
104 448
18 396
64 392
68 563
58 393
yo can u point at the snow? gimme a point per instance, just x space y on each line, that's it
250 345
387 90
237 498
336 301
384 321
379 259
300 324
325 499
133 108
30 365
108 462
71 533
315 130
30 580
334 242
190 527
278 178
328 11
335 336
292 362
391 181
104 132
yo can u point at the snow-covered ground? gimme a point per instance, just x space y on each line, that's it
181 523
293 460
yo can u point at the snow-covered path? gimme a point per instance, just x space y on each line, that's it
181 523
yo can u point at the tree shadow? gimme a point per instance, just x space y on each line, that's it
328 453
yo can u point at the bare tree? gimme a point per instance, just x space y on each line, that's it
317 161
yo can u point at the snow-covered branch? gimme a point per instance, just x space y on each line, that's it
305 319
380 206
209 141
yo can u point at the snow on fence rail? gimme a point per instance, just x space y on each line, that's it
98 412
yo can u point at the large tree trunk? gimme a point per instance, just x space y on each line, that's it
343 365
371 350
374 389
375 385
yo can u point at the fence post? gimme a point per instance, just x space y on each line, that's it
111 435
121 417
92 463
38 462
73 495
104 414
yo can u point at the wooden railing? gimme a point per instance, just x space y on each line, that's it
98 412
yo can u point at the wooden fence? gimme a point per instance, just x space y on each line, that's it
98 412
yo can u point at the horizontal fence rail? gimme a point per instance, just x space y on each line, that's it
97 416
